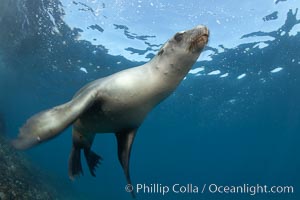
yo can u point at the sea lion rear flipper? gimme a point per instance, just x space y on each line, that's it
125 140
48 124
75 167
92 160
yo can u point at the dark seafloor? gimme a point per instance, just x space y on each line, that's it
20 180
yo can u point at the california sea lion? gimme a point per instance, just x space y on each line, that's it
117 103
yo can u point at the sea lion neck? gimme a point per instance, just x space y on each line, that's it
171 68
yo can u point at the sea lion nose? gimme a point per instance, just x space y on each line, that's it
203 29
206 32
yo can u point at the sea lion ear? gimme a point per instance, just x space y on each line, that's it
161 52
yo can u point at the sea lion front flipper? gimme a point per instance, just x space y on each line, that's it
125 140
48 124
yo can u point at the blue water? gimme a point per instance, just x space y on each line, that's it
214 129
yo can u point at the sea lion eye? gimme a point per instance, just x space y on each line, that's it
178 37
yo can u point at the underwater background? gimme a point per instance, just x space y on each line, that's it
234 120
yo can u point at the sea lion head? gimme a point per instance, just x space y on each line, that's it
187 42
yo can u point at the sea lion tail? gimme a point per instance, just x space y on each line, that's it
92 159
50 123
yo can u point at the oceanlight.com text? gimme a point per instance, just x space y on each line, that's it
163 189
